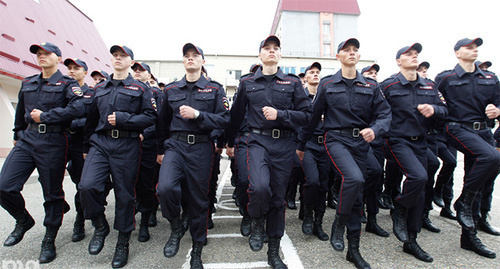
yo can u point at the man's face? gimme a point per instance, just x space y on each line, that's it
422 71
483 67
468 53
153 83
303 80
192 60
349 55
270 53
372 73
47 59
121 61
98 78
313 76
408 60
77 72
141 74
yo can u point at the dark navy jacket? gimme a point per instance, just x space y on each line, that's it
284 93
468 94
407 121
207 96
132 102
60 99
360 106
88 98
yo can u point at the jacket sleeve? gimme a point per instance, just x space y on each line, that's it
146 118
90 125
219 118
73 109
382 110
19 122
238 112
300 115
163 124
318 108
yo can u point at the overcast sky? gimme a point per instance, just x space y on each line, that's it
158 29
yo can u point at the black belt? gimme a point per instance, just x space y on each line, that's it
44 128
78 131
191 138
320 139
354 132
115 133
274 133
471 125
412 138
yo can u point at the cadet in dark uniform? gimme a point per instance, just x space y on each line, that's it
123 107
47 104
192 108
316 165
274 104
415 105
371 71
355 113
77 69
484 65
145 187
473 97
98 76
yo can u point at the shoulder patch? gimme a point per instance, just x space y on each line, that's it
441 97
77 91
153 104
225 103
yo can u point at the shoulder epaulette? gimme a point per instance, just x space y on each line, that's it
293 75
30 77
216 82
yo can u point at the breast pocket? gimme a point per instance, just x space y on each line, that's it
176 100
282 97
336 96
400 98
128 101
204 102
30 96
52 96
255 94
362 100
459 89
426 96
486 89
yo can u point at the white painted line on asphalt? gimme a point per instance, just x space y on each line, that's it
225 177
223 235
237 265
227 217
292 259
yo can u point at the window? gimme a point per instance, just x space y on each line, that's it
326 50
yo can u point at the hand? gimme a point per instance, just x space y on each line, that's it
159 158
112 119
230 152
426 110
492 112
35 115
84 155
368 134
141 137
300 154
270 113
187 112
14 142
218 150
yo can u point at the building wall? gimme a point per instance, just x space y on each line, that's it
344 27
300 34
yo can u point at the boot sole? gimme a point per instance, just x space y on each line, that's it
32 223
491 256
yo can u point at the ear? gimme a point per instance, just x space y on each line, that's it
457 53
398 62
337 56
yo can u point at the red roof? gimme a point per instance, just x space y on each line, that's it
27 22
329 6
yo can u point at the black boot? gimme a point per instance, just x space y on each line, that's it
399 222
246 222
273 254
308 220
152 218
195 261
78 228
353 254
101 231
446 211
463 206
317 229
338 230
412 247
210 222
373 227
185 220
24 222
427 223
301 211
438 198
121 251
256 239
48 252
485 226
385 201
172 245
290 199
470 241
144 227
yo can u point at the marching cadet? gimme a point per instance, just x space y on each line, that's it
192 108
473 98
146 182
371 71
422 69
98 76
415 105
48 102
275 104
484 65
123 107
77 69
355 113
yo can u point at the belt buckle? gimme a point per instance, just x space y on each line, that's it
276 133
476 125
321 139
355 132
414 138
115 133
72 132
191 139
42 128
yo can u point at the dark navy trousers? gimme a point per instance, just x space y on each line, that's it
189 166
47 153
374 179
75 164
241 157
316 165
444 180
120 158
146 183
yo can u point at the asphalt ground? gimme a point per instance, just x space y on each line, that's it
228 249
